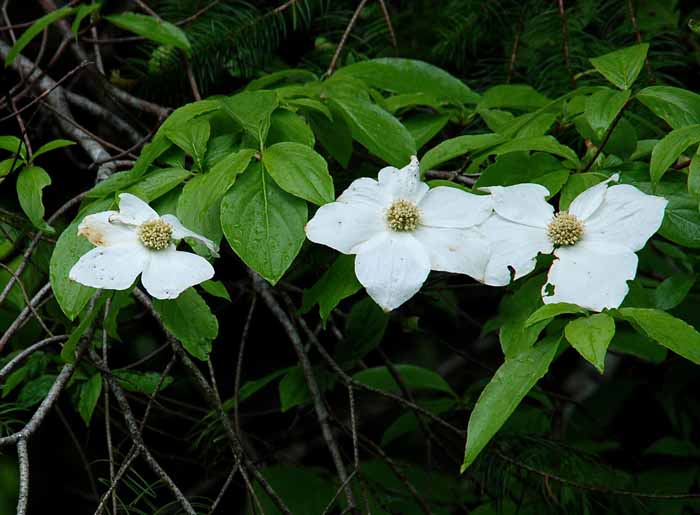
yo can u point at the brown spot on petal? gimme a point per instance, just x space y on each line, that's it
93 235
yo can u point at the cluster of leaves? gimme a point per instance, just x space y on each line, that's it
246 169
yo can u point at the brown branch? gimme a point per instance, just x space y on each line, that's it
565 42
344 38
265 292
451 176
605 139
638 37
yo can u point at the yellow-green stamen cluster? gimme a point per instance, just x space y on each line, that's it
565 229
156 234
403 215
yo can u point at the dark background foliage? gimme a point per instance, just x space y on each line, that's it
581 438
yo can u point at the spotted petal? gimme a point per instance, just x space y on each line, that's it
169 272
100 231
111 268
591 275
392 266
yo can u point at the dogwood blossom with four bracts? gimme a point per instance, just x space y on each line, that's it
136 240
594 241
400 229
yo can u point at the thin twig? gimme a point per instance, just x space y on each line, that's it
565 42
344 38
265 292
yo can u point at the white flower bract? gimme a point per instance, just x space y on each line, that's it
136 240
594 241
401 229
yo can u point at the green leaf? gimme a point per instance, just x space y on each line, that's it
35 390
190 320
288 126
293 388
263 223
157 183
509 385
694 175
671 292
87 319
304 490
365 329
35 29
252 110
84 10
451 148
602 107
512 96
518 167
408 423
89 395
667 330
590 336
72 296
377 130
334 136
424 126
30 183
141 382
216 289
199 205
410 76
540 143
667 151
514 311
678 107
630 342
414 377
552 310
192 137
299 170
52 145
282 76
336 284
622 67
151 28
13 144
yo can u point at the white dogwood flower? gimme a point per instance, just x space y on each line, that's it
594 241
400 229
136 240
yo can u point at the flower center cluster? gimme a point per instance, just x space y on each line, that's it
403 215
156 234
565 229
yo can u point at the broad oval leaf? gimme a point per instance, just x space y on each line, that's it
300 170
622 67
377 130
30 184
190 320
263 223
678 107
413 377
590 336
451 148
